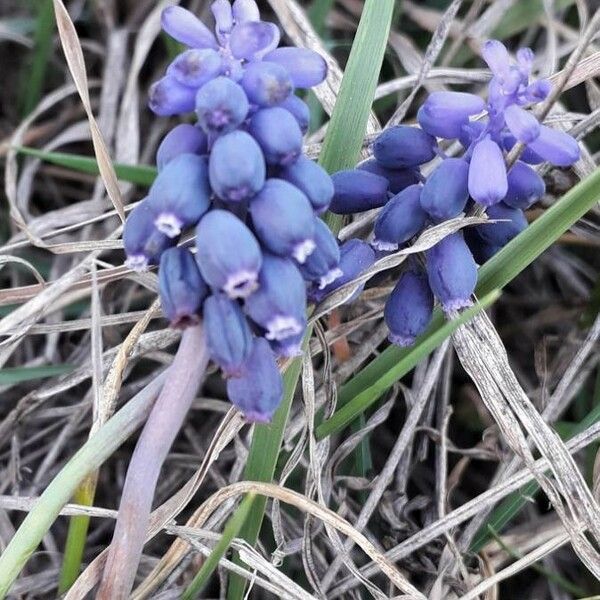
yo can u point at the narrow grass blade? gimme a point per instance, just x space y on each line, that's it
142 175
210 564
14 375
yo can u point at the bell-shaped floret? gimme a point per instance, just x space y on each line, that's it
306 67
525 186
322 266
452 272
299 110
195 67
266 84
279 303
237 167
251 40
511 221
402 146
143 243
401 219
278 134
182 289
311 179
357 191
183 26
168 97
445 113
221 106
409 308
399 179
557 147
228 256
180 194
245 10
283 220
259 391
228 335
522 124
487 173
446 192
182 139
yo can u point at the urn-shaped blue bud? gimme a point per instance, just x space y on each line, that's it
538 90
452 272
511 221
142 241
445 113
487 173
446 192
228 254
183 26
525 186
557 147
266 84
253 39
528 155
221 10
299 110
182 289
278 134
322 266
402 146
306 67
409 308
496 56
279 303
245 10
228 335
522 124
237 167
180 194
401 219
311 179
357 191
182 139
259 391
399 179
195 67
169 97
221 106
283 220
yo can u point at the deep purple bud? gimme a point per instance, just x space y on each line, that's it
182 139
452 272
180 194
259 391
253 39
290 347
221 106
279 303
299 110
525 186
399 179
283 220
236 167
401 219
402 146
245 10
221 10
182 289
538 90
278 134
142 241
528 155
511 222
194 68
356 257
357 191
557 147
306 67
228 335
445 113
185 27
496 56
522 124
322 266
487 173
228 254
168 97
446 192
266 84
310 178
409 308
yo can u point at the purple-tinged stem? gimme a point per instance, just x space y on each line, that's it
165 420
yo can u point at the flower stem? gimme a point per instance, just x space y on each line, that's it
164 422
